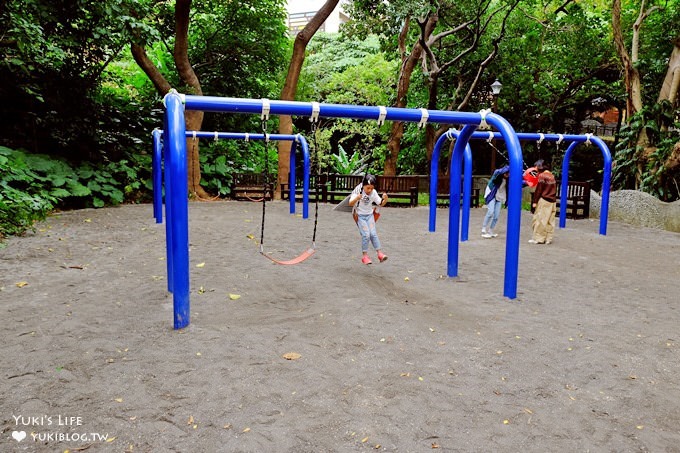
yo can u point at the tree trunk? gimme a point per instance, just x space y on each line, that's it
290 85
632 80
669 89
193 119
408 65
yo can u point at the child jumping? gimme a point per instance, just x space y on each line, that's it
363 197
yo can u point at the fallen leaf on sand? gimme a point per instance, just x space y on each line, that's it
291 356
200 265
22 284
191 420
234 296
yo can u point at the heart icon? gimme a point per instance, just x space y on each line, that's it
19 435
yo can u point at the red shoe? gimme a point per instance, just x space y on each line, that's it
381 256
366 260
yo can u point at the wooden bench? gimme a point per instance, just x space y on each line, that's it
250 186
443 193
321 180
405 187
334 188
578 199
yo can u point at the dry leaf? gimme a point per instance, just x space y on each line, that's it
110 439
506 422
200 265
118 400
22 284
364 440
291 356
250 236
435 445
406 279
246 430
234 296
191 420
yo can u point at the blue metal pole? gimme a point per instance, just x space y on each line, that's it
451 134
291 179
454 198
177 170
514 202
306 168
254 106
168 211
467 192
606 183
157 175
434 179
564 183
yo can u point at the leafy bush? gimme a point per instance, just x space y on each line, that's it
32 185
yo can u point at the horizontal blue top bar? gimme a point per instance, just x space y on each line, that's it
533 136
254 106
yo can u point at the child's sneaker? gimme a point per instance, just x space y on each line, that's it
486 235
492 234
381 256
366 260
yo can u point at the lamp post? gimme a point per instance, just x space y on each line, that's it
495 91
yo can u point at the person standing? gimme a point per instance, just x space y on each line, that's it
363 197
544 203
495 196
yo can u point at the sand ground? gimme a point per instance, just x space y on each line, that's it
392 357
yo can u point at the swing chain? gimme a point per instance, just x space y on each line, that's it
265 186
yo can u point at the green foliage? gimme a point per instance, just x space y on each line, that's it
362 76
643 168
346 165
31 185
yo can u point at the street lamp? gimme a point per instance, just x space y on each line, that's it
495 91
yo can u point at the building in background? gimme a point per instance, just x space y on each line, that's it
300 12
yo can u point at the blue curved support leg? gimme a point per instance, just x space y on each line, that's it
467 192
564 183
157 175
454 198
177 171
514 203
434 179
291 178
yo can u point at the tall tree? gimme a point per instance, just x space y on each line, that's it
193 118
234 49
292 77
655 159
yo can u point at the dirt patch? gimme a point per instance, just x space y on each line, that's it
392 357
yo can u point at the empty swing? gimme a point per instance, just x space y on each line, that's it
310 251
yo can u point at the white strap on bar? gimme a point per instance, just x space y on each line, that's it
449 134
193 135
266 138
247 137
217 135
488 140
382 115
316 108
588 139
297 138
561 138
541 137
424 115
483 124
265 109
